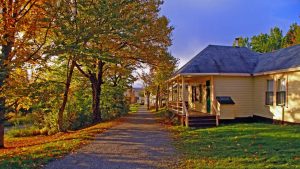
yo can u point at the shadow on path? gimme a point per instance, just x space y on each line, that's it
139 142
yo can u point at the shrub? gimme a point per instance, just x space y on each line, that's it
24 132
20 120
113 102
167 117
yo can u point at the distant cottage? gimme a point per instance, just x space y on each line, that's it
134 95
234 83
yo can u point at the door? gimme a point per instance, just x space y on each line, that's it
208 101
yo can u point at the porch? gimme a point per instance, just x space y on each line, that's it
191 99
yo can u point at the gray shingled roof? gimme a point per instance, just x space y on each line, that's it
229 59
278 60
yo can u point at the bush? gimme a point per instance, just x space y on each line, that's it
113 102
25 132
164 113
167 117
20 120
78 112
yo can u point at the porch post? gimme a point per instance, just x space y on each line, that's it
168 95
182 93
172 95
177 100
184 108
214 102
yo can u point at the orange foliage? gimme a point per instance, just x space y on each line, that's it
27 145
23 29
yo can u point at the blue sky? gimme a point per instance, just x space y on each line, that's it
199 23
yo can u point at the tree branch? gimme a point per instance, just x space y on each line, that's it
81 71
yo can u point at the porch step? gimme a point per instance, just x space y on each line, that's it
202 125
202 121
201 117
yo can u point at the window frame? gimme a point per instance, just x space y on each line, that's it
269 95
281 90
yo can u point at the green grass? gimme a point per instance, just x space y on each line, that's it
134 108
252 145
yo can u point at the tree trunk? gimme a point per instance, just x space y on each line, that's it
96 83
4 73
96 80
65 98
96 91
2 111
160 102
157 98
148 100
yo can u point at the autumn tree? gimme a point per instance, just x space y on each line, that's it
148 84
154 80
23 30
126 30
292 36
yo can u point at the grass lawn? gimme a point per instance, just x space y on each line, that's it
134 108
253 145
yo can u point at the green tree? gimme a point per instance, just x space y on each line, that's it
135 32
275 40
71 34
259 43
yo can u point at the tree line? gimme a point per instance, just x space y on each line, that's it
69 62
274 40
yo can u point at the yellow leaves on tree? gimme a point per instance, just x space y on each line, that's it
23 27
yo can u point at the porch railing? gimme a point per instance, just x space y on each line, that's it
176 108
218 113
186 113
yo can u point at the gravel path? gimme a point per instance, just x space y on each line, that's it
139 142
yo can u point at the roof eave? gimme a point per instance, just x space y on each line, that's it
277 71
208 74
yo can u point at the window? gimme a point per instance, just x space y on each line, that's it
270 92
281 92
